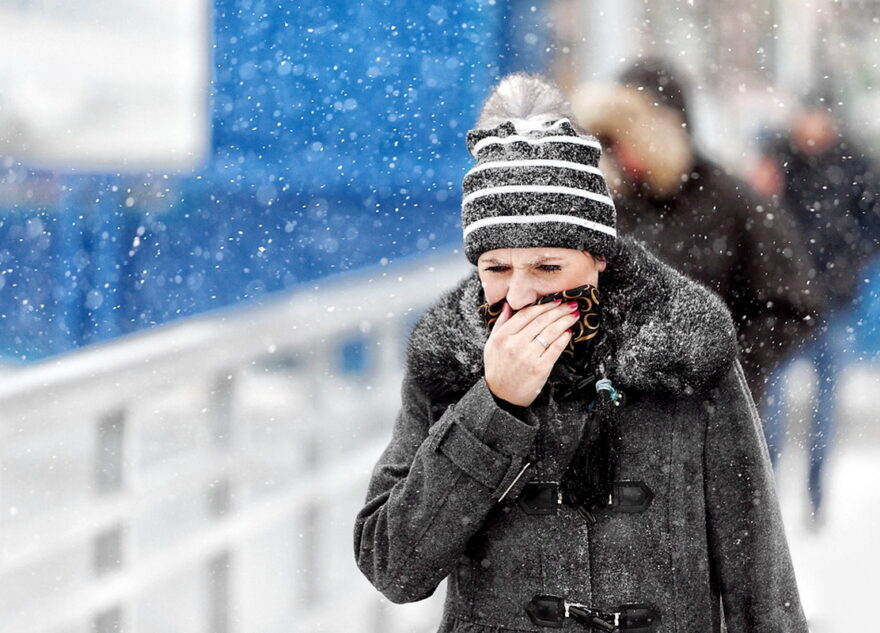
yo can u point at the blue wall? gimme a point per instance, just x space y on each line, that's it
337 140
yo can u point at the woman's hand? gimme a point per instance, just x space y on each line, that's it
523 347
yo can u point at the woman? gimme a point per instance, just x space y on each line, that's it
576 440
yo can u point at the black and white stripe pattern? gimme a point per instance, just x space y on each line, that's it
538 219
536 186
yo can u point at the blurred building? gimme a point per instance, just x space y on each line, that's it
161 160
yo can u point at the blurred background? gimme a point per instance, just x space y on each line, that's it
218 222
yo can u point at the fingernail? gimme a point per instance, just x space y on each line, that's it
575 313
572 304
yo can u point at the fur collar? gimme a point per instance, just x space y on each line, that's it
671 334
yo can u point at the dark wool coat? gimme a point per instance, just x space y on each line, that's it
712 535
832 197
748 250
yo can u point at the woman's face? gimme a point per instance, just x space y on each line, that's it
524 275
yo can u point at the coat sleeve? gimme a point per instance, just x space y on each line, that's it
749 554
433 487
779 304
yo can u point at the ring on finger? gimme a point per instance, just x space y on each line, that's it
543 342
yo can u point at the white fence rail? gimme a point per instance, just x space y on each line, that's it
204 477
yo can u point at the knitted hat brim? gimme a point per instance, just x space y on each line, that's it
552 234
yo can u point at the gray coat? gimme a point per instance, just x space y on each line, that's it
446 498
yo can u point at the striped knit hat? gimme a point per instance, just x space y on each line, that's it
536 181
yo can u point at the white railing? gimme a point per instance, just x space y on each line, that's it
204 477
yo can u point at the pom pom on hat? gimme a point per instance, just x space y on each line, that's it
527 101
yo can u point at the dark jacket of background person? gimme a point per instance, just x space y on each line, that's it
689 431
701 219
832 196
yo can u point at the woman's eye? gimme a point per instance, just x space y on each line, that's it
496 269
549 268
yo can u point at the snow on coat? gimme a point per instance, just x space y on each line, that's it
711 536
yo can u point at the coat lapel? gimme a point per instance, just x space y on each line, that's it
670 334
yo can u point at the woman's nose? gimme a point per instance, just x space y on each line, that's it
520 294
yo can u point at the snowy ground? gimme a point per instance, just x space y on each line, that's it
836 560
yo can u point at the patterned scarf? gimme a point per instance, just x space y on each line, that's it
578 352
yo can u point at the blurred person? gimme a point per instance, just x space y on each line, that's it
698 217
830 187
576 439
